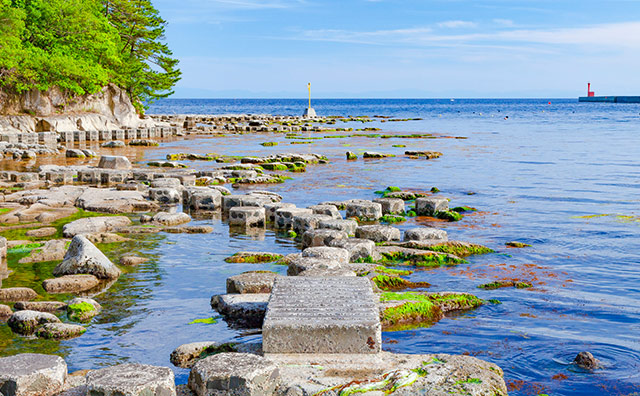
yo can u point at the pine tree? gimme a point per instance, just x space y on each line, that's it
149 71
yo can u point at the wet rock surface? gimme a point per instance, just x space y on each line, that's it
70 283
31 374
131 380
234 374
26 322
83 257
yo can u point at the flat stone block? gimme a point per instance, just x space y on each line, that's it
271 208
307 222
378 233
391 205
357 248
32 374
321 237
234 374
243 310
365 210
131 380
328 253
251 282
429 206
322 315
284 216
425 234
247 216
348 226
329 210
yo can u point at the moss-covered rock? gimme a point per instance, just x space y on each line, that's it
457 248
83 309
59 331
411 308
515 244
503 284
253 257
386 282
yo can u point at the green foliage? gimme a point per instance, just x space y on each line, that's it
79 46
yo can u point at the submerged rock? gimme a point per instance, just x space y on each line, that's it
131 380
26 322
17 294
31 374
60 331
243 310
70 283
132 261
84 258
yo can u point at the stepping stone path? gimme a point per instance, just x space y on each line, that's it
322 315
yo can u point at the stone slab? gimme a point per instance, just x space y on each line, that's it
31 374
322 315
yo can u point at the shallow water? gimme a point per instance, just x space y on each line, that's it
534 177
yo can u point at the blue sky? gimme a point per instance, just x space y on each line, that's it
404 48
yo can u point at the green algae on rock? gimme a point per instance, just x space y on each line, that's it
253 257
81 311
515 244
269 144
392 219
457 248
423 308
448 215
502 284
385 282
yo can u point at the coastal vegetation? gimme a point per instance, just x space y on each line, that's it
80 46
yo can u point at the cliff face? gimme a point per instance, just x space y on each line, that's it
36 111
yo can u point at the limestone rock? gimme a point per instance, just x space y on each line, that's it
113 144
114 162
41 232
26 322
5 312
91 225
378 233
348 226
59 331
429 206
243 310
52 250
171 219
132 261
105 237
364 210
188 354
41 306
299 265
17 294
321 237
131 380
83 309
251 282
106 200
74 153
70 283
328 253
425 234
357 248
234 374
31 374
84 258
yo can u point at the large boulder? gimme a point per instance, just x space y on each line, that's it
131 380
26 322
91 225
84 258
114 162
234 374
32 374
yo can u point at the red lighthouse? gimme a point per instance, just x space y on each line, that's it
590 93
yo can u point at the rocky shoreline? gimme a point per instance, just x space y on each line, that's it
321 324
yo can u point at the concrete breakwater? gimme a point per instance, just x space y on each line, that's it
321 324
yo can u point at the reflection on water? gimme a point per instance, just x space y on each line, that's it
537 177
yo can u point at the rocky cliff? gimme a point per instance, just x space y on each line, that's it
37 111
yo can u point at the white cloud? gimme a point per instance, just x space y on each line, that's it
457 24
615 35
504 22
